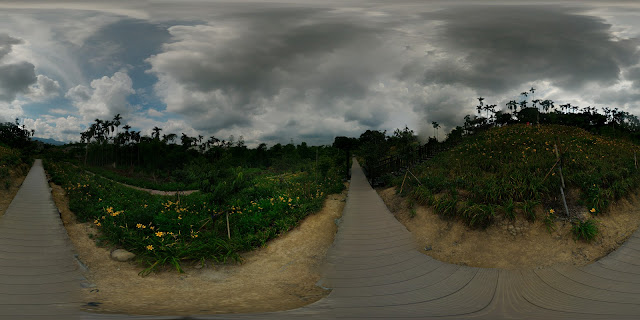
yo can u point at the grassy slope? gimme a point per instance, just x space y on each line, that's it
508 171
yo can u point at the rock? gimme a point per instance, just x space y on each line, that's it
199 266
122 255
428 248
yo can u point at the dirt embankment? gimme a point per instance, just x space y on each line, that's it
280 276
513 245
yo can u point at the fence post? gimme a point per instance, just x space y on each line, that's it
564 199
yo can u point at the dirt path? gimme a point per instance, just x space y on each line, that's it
280 276
151 191
519 245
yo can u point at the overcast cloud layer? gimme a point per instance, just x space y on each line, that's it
306 70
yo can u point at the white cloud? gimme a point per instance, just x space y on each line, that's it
154 113
106 97
44 89
9 111
59 128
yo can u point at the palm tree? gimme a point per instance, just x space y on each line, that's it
523 104
436 126
137 138
480 107
512 105
490 108
116 123
156 133
87 136
168 138
532 90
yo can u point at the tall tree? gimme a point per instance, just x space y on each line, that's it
156 133
436 126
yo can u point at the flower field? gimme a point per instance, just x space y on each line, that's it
512 169
169 229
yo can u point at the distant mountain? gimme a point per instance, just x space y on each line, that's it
49 141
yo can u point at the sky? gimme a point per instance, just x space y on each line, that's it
281 71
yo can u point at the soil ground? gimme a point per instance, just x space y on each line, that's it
280 276
6 195
513 245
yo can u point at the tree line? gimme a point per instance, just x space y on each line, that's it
374 145
16 136
112 143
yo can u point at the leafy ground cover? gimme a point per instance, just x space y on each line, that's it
167 230
140 180
513 169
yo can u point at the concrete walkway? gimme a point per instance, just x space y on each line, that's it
373 269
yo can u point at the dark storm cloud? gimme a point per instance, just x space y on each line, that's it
6 42
633 74
226 72
15 77
125 43
254 62
500 48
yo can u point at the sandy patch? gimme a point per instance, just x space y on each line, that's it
497 247
280 276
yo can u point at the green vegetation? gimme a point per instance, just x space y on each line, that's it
16 148
550 220
258 205
10 161
586 230
504 162
510 169
15 136
140 180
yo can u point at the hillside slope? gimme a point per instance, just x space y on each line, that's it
512 170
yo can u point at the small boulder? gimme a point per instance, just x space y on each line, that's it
122 255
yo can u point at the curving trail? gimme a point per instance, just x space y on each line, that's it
373 269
